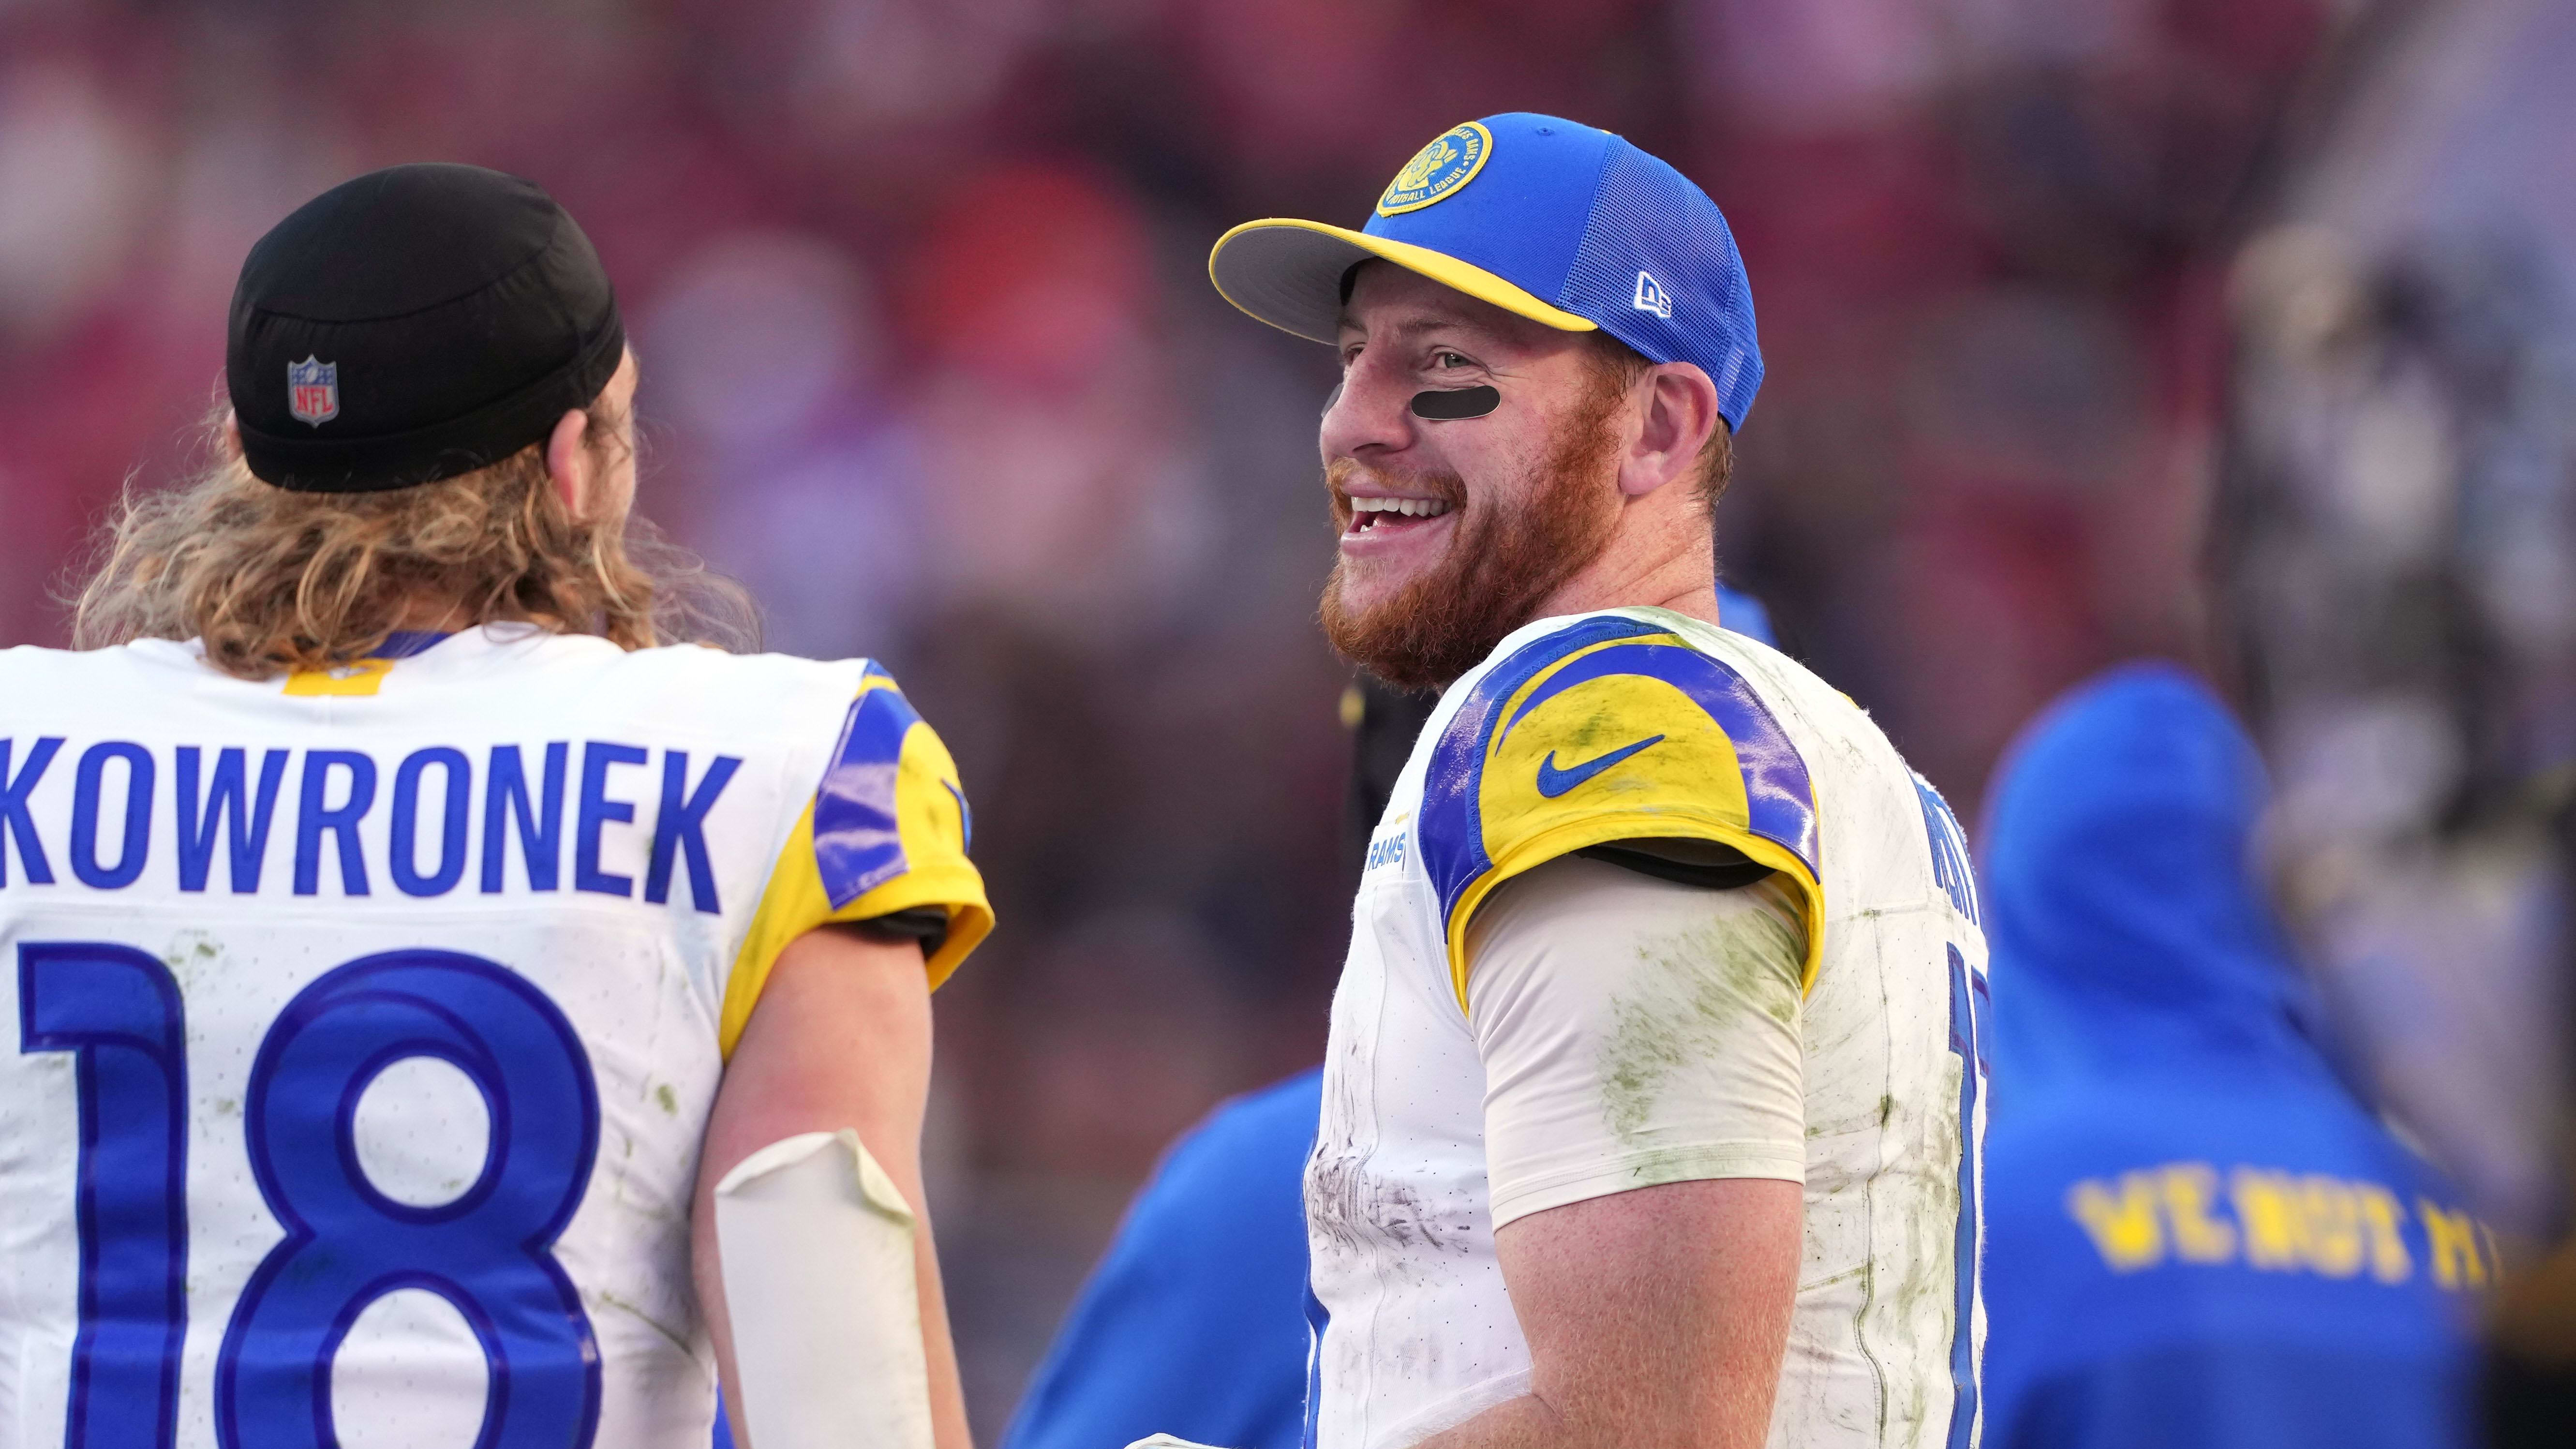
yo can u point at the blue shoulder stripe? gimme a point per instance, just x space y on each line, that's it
1452 822
1779 795
857 846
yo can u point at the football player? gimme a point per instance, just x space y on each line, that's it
1652 1102
1196 1319
406 936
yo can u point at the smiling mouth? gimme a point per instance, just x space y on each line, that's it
1369 514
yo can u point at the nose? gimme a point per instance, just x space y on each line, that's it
1368 414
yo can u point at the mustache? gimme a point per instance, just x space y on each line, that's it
1342 473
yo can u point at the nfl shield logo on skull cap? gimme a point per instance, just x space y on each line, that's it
313 390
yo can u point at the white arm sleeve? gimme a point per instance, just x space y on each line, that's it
1634 1031
816 1244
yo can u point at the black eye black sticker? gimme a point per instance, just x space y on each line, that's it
1449 405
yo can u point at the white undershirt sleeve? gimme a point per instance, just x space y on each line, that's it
1634 1031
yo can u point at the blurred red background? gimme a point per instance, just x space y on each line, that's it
930 362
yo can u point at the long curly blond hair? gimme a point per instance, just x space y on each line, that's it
275 581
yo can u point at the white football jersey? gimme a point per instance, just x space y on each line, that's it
1533 755
367 1022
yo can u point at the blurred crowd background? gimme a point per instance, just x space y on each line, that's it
931 363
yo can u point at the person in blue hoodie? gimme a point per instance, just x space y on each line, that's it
1196 1322
2196 1233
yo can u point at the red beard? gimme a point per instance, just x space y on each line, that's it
1502 562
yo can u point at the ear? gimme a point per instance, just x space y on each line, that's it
232 432
570 465
1680 415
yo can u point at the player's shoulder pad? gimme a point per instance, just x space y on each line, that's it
888 829
1611 728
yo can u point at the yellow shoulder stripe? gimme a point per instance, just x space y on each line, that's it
886 831
1612 728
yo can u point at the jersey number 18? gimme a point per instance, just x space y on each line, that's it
488 1251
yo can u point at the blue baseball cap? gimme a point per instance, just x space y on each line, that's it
1553 220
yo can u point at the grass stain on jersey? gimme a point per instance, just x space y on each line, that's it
1350 1206
1599 724
1690 1005
1660 1165
606 1299
189 953
622 1176
1922 1218
668 1100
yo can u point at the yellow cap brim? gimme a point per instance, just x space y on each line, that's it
1289 274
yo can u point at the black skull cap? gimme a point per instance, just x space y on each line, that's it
413 324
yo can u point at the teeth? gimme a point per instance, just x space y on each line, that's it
1408 507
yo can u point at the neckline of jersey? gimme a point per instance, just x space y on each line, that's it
406 643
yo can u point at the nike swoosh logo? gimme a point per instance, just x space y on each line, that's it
1553 782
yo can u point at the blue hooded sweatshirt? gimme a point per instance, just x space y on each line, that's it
2196 1235
1195 1322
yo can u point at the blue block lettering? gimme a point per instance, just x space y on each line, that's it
117 1011
1949 849
596 811
679 828
489 1251
134 848
227 798
313 819
403 847
14 790
505 787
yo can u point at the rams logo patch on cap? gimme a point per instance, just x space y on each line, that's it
1451 160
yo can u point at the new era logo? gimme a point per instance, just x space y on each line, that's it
1651 297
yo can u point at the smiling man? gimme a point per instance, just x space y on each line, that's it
1652 1105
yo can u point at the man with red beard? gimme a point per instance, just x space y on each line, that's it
1652 1106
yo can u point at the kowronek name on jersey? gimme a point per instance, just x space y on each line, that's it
446 822
368 1031
1642 725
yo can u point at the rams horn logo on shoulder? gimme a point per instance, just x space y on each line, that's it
1451 160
